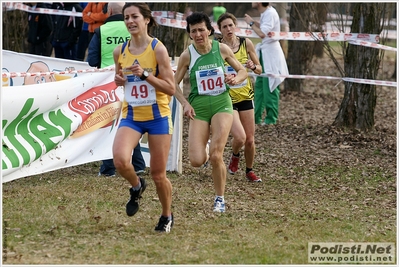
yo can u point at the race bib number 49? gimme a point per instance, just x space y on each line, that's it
139 92
211 81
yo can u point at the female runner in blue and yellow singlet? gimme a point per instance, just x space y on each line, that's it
142 66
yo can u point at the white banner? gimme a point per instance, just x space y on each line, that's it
56 121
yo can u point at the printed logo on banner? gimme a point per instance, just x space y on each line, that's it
30 135
98 107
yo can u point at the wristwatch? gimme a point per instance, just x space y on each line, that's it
144 75
251 23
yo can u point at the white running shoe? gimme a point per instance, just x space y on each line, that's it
219 205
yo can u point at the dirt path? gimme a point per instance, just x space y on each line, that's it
304 132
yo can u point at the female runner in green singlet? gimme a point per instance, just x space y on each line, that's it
209 102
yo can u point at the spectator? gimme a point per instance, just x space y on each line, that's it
111 34
83 41
106 37
242 95
209 101
66 30
218 10
187 12
94 14
40 29
271 57
142 66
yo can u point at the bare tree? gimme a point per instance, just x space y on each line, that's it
172 38
281 9
304 17
359 102
320 18
15 28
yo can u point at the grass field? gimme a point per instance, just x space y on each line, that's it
72 216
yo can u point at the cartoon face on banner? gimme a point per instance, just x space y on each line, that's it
63 76
7 81
38 66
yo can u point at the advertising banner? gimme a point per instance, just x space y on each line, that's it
52 120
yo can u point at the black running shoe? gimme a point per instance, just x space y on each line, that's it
164 224
132 205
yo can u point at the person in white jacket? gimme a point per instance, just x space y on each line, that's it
272 59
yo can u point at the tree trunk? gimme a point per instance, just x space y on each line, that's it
320 21
281 9
15 31
394 72
357 107
300 53
172 38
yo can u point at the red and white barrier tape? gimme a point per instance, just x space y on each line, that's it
366 81
370 44
293 76
48 73
163 18
354 80
50 11
298 36
346 79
